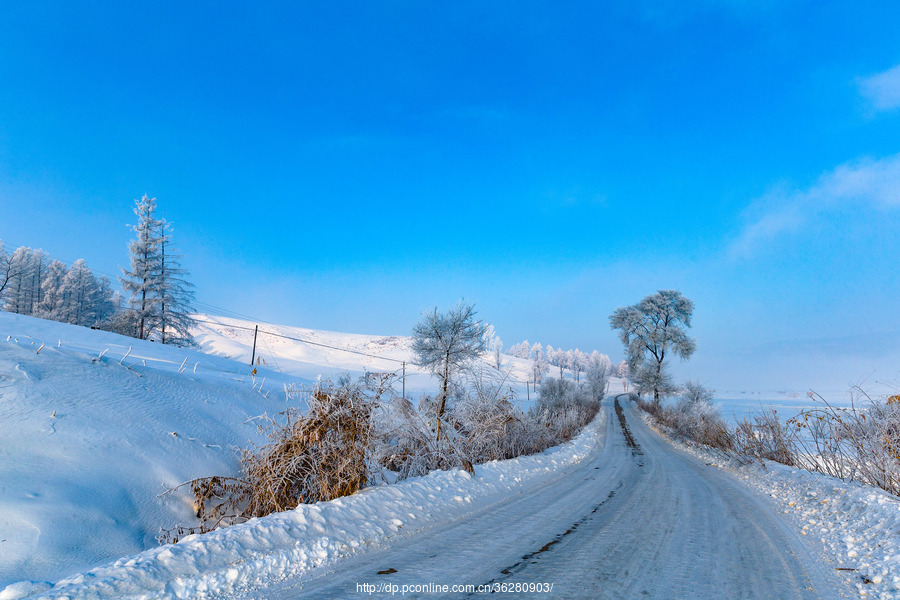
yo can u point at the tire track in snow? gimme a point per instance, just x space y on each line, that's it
532 557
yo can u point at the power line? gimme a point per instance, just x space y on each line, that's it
305 341
226 313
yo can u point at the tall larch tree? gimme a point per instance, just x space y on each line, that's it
142 281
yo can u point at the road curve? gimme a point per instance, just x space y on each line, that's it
639 519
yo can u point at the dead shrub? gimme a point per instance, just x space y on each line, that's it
693 418
353 435
860 442
320 454
767 437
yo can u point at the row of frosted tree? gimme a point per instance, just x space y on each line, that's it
159 296
576 361
33 283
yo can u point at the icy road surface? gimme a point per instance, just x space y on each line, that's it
638 520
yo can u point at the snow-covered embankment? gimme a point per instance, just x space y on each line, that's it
296 541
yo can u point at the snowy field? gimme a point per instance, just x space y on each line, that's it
91 438
735 410
310 353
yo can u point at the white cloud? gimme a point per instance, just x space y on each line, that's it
882 89
865 183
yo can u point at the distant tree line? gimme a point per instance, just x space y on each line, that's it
159 301
576 361
33 283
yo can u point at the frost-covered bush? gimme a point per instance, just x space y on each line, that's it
694 417
861 442
492 427
320 454
766 436
408 445
556 393
480 423
697 419
353 436
564 407
694 394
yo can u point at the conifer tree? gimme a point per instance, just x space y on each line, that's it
161 297
142 281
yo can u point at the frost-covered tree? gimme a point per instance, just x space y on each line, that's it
7 271
109 302
80 295
596 373
494 346
446 344
81 298
51 304
33 268
693 394
652 330
568 360
521 350
142 281
556 358
160 296
18 290
538 363
578 363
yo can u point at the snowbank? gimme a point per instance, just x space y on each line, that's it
293 542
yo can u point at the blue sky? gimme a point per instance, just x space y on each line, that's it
346 166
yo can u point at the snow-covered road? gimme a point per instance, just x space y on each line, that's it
639 519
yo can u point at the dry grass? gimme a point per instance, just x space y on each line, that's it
318 455
766 436
353 436
858 443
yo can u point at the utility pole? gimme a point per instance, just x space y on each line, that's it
253 356
404 380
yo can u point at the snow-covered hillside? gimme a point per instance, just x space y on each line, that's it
309 353
92 437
